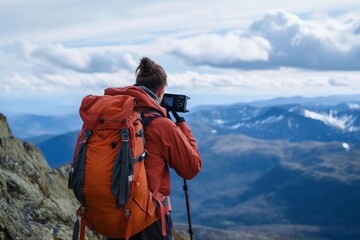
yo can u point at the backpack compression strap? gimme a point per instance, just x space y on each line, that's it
123 170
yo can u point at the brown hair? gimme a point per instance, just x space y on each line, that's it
150 74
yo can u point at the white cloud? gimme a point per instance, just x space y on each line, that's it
204 46
253 83
354 25
278 39
215 49
76 59
95 22
303 44
284 82
64 82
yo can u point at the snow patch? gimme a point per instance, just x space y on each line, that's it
353 106
346 146
345 122
238 125
293 109
219 121
271 119
289 123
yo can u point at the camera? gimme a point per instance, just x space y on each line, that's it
175 102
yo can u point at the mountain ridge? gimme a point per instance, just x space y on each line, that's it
62 123
294 123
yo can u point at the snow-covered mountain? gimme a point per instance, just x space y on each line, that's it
293 122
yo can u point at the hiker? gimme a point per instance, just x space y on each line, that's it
120 170
168 144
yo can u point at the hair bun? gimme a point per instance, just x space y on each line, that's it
146 65
150 74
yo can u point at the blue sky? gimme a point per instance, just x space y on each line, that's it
52 53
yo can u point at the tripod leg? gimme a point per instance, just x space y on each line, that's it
185 187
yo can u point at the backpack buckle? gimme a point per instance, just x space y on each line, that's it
127 212
125 135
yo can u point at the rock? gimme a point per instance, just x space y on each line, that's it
34 200
4 128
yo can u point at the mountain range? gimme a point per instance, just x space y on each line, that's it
292 122
311 188
275 167
29 125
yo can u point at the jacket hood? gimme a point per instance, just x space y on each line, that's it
145 100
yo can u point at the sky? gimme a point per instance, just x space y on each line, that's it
53 53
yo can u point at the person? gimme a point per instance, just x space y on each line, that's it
169 144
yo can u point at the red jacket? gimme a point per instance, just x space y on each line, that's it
168 144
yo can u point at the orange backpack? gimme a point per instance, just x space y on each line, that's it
108 175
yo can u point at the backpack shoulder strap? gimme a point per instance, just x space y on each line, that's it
148 115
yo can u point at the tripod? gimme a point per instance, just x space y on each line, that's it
185 187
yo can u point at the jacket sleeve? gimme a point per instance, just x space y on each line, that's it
180 148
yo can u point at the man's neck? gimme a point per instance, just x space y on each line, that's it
148 91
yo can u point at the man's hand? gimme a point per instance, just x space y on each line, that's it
177 117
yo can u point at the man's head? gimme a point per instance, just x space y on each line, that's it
152 76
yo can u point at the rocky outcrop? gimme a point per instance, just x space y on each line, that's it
4 127
34 200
